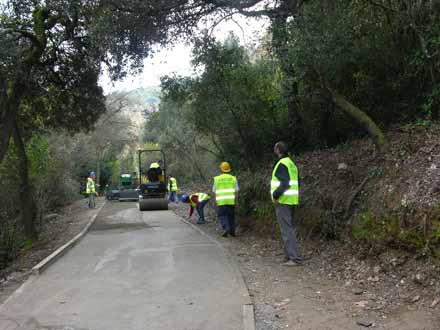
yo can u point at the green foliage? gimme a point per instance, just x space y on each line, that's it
188 153
432 104
114 168
375 56
9 182
45 85
11 241
53 185
435 236
236 100
38 156
388 231
332 226
228 107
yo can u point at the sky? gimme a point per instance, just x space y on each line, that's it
178 59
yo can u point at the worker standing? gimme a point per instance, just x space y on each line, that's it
225 189
197 201
284 190
172 188
91 189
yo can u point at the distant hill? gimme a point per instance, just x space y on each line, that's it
139 103
148 96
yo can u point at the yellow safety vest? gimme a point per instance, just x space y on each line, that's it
202 197
225 185
90 186
173 184
290 196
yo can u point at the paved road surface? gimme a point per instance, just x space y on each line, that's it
133 271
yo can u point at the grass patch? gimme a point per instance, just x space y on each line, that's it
380 232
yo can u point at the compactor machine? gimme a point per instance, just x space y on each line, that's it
127 188
153 181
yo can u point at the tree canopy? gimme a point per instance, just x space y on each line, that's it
329 71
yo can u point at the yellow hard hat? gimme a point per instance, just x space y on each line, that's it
225 167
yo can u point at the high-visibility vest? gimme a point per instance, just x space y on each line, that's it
154 165
290 196
90 186
201 196
225 185
173 184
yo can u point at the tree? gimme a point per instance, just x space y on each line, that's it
50 66
323 45
366 58
189 155
233 110
48 80
112 133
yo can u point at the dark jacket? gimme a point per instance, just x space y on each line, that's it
282 174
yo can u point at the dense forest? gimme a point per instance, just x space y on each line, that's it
325 73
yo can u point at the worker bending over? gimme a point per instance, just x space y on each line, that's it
197 201
225 189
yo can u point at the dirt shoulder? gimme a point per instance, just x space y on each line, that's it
58 229
334 289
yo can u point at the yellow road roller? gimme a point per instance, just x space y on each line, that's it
153 180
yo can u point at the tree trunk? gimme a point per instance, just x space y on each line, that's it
98 168
429 58
6 128
359 116
27 204
280 41
9 103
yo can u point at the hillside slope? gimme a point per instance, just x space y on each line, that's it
389 199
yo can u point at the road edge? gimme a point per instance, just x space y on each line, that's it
248 306
39 268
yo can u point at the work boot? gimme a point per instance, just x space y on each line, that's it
225 234
292 263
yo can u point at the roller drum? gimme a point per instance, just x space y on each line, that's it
153 204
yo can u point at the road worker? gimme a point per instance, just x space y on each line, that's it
225 189
154 172
172 188
91 189
156 164
284 189
197 201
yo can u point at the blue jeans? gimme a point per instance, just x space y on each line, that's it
201 212
173 197
226 215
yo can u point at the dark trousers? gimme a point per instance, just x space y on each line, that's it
288 231
200 211
226 215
